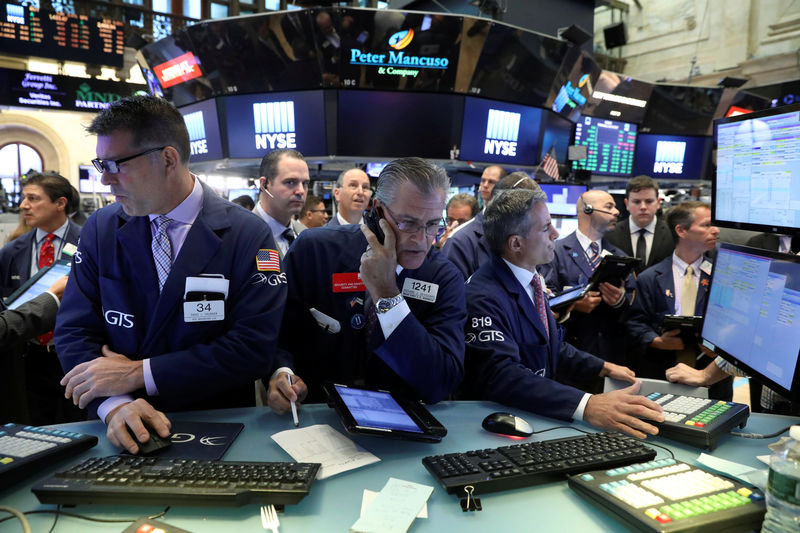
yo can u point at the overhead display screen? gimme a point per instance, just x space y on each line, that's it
38 32
203 126
175 72
499 132
681 110
573 84
556 134
259 123
610 146
672 156
618 97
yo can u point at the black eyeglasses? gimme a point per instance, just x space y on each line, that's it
112 165
432 229
318 210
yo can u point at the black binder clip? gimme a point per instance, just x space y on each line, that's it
469 503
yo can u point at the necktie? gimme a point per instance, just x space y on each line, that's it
46 258
289 235
47 252
538 298
689 292
641 246
594 258
162 250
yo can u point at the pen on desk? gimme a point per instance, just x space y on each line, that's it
294 406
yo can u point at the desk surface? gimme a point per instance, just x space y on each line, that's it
334 503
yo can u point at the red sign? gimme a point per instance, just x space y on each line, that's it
348 282
736 110
182 68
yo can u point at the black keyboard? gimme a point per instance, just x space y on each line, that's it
534 463
698 421
26 450
133 480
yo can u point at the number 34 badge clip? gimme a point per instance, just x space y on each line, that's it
204 298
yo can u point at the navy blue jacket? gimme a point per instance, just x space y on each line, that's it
333 222
655 298
112 298
601 331
509 358
467 248
15 258
423 358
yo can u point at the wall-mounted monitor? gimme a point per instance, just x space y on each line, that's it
752 318
395 124
373 170
172 69
562 199
573 84
557 133
757 184
610 146
89 181
618 97
259 123
499 132
681 110
672 156
204 136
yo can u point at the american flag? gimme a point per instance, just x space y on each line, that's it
549 164
268 260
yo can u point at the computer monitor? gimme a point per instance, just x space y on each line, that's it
562 199
672 156
374 169
757 184
610 146
236 193
752 316
565 225
499 132
89 181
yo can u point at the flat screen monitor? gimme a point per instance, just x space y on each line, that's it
573 84
259 123
174 71
752 318
499 132
618 97
89 181
374 169
757 184
236 193
610 146
557 133
681 110
395 124
565 226
562 199
203 126
672 156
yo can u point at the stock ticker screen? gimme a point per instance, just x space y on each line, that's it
610 146
38 32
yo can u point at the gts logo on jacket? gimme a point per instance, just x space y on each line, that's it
118 318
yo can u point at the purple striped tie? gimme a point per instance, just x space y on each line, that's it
538 297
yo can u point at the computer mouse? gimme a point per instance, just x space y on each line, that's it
153 444
507 424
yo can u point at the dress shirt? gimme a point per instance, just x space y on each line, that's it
678 273
648 236
183 216
58 245
343 221
525 277
586 242
276 228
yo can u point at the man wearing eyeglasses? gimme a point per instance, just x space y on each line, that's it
380 314
175 295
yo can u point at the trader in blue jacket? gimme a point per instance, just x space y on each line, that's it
515 350
378 314
176 295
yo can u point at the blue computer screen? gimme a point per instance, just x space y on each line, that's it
562 199
499 132
672 156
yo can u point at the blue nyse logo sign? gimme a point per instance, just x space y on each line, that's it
274 125
197 132
669 157
502 132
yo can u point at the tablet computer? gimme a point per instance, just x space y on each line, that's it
690 327
377 412
39 283
613 269
565 298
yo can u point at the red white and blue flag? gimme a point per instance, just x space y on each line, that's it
268 260
550 165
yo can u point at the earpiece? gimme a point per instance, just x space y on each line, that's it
588 209
263 188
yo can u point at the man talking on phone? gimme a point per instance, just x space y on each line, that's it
372 310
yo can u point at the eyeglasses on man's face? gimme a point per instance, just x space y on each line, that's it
432 229
111 166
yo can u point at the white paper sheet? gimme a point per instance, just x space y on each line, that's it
394 509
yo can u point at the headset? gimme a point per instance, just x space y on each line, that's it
589 209
264 188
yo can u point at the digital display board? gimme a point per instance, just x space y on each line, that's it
499 132
556 134
396 124
573 84
203 125
89 181
259 123
618 97
681 110
562 199
672 156
44 33
610 146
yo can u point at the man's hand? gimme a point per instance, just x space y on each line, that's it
622 373
281 394
379 263
57 288
610 294
687 375
669 340
135 415
109 375
447 232
621 410
587 304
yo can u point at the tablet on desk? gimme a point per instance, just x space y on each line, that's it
376 412
39 283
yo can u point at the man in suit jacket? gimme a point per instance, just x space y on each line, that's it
45 202
176 295
514 347
352 194
643 235
661 290
594 324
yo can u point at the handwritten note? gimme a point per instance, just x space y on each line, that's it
394 508
323 444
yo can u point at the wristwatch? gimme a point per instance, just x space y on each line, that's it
383 305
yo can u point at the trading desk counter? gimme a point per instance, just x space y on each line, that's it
334 503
